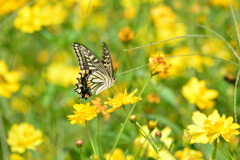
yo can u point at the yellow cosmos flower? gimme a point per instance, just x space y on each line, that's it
31 19
163 19
8 80
83 113
196 92
15 156
121 99
55 72
9 6
189 154
118 154
223 3
24 136
208 129
147 150
159 65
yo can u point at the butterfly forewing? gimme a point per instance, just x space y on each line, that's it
95 75
107 61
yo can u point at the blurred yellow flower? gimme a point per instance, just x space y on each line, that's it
121 99
158 65
164 20
100 108
9 6
146 148
189 154
24 136
31 19
153 98
20 104
163 16
88 5
183 62
118 154
196 92
208 129
55 73
15 156
8 80
223 3
83 113
126 34
130 12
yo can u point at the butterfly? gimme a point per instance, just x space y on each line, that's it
95 75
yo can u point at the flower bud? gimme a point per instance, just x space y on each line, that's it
152 125
186 139
158 134
133 118
79 143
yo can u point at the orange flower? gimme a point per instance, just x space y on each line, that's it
99 107
153 98
126 34
158 65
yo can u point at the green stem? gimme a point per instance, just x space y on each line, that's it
144 134
81 155
214 154
127 119
99 141
91 141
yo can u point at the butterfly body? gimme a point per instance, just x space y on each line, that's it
95 75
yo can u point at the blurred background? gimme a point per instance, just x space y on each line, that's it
38 67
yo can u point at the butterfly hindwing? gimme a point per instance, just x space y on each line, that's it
95 75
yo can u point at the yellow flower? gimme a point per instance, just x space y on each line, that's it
129 12
8 80
83 113
196 92
162 15
31 19
146 148
100 108
126 34
55 72
158 65
189 154
163 19
15 156
208 129
9 6
118 154
223 3
24 136
121 99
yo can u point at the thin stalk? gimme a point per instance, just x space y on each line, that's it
91 141
127 119
214 154
99 140
144 134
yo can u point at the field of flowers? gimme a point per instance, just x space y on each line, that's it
176 94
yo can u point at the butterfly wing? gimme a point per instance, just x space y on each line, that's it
107 60
93 74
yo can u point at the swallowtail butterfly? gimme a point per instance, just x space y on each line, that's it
95 75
